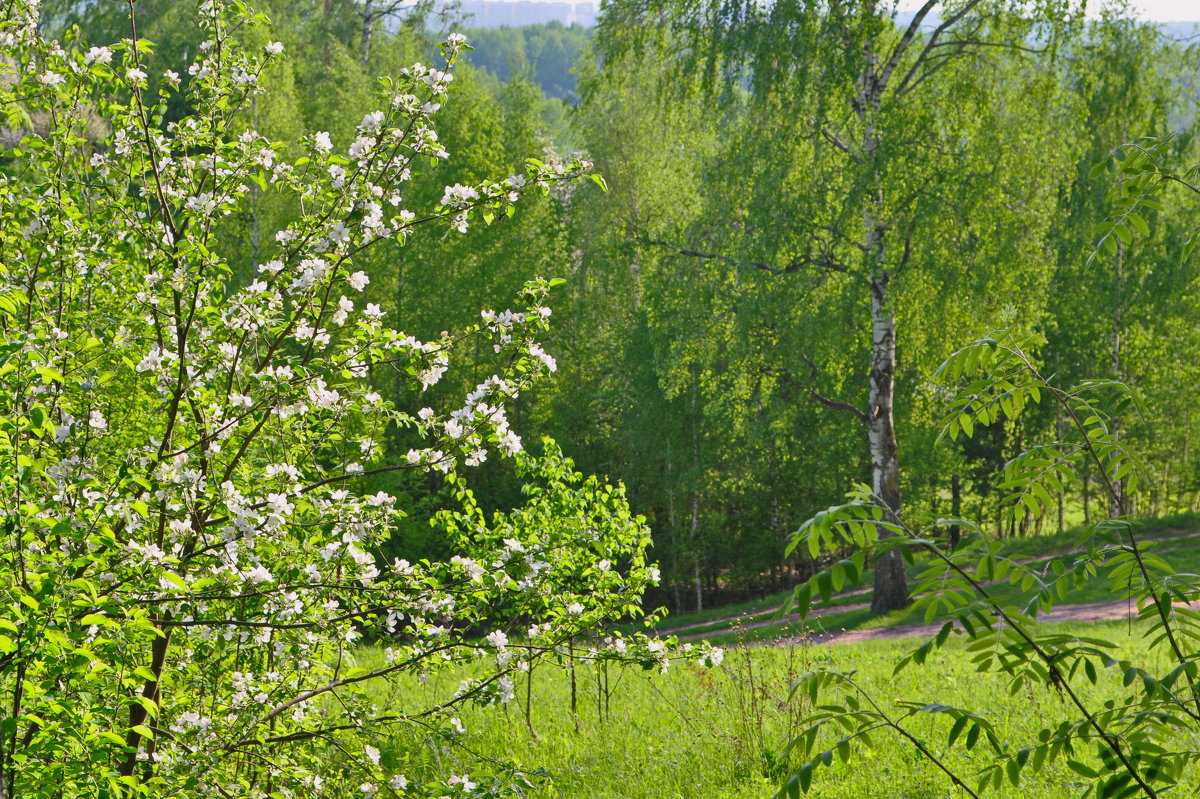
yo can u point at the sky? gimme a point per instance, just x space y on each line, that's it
1169 10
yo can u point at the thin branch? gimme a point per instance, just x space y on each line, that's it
832 404
923 56
835 405
906 40
823 261
833 139
904 259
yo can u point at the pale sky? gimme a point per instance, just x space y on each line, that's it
1169 10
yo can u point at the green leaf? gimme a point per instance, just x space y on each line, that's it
972 737
803 599
1138 222
956 729
825 584
145 674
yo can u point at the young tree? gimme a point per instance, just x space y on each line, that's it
188 553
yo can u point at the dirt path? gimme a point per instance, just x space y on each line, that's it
760 619
1083 612
1116 610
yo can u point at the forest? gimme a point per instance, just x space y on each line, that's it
886 316
704 323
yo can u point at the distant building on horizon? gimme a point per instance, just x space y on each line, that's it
514 13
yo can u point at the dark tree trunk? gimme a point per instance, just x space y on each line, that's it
891 580
955 510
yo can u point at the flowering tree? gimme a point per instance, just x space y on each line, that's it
186 560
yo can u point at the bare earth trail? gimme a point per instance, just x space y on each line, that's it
1115 610
1084 612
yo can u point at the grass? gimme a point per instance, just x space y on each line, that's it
720 733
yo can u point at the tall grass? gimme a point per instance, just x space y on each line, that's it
722 733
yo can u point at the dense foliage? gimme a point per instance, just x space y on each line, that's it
716 297
1143 742
273 344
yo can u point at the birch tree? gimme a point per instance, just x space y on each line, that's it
866 90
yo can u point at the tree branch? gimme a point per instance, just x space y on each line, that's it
823 261
946 25
835 405
832 404
905 42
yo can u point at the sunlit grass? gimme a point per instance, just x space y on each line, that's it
720 733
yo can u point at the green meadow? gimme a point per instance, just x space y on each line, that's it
723 732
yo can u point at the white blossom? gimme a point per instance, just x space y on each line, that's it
98 55
358 281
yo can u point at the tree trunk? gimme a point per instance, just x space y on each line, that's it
696 551
695 534
1116 502
891 581
677 571
368 18
955 509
